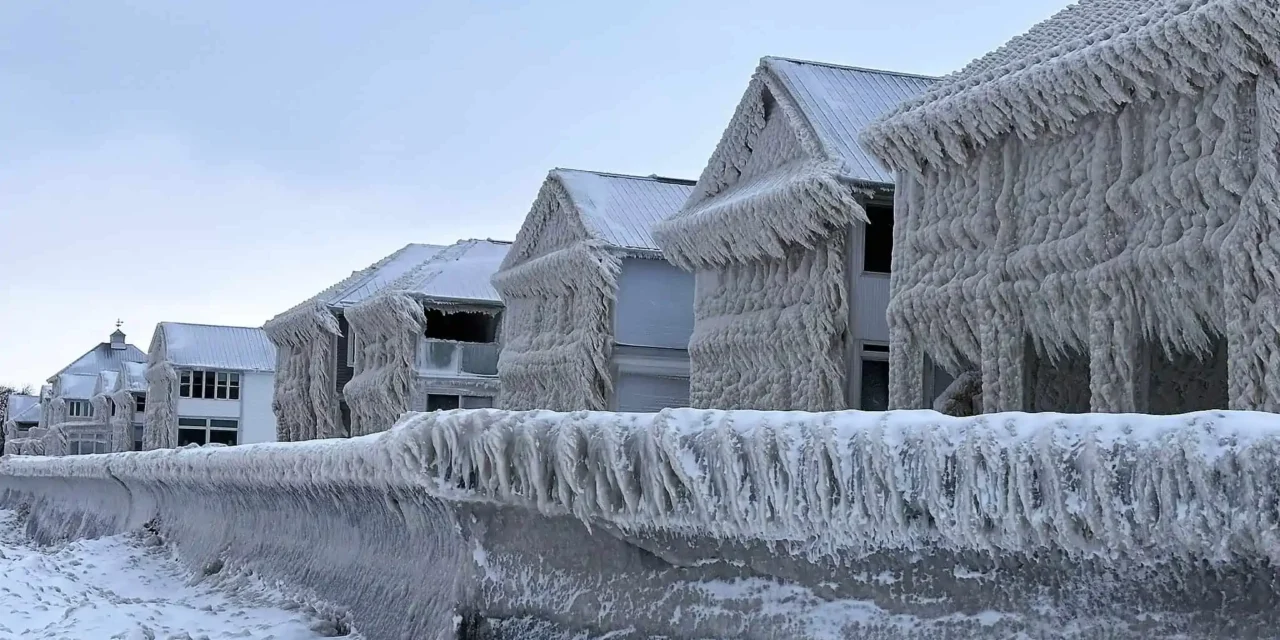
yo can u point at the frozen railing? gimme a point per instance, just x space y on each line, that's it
468 358
724 524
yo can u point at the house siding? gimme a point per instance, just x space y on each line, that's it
257 421
654 306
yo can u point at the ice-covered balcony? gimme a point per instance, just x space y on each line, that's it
437 357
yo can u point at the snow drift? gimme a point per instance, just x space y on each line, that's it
691 523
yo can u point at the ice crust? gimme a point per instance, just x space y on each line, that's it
691 523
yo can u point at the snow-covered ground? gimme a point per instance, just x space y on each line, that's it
122 588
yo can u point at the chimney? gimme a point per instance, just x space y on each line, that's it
117 338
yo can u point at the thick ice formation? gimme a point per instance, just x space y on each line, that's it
768 222
862 524
1108 190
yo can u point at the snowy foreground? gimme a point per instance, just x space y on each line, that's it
121 587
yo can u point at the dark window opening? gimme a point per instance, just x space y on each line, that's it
876 348
875 386
191 436
222 436
140 403
877 253
437 402
466 326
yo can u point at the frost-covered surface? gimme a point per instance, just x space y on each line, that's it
389 327
559 282
123 587
711 524
1108 197
306 401
768 223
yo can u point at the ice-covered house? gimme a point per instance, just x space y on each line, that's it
789 232
429 340
312 349
71 423
1088 216
122 397
22 412
209 384
595 317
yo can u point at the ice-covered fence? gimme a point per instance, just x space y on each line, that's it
692 523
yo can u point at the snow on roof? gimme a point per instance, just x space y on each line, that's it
620 209
839 102
106 383
362 284
77 386
20 402
135 376
459 272
1091 57
217 347
28 414
101 358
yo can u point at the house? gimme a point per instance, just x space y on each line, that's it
1088 215
312 349
71 422
594 317
788 232
22 414
122 395
429 341
209 384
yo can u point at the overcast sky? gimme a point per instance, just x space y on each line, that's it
219 162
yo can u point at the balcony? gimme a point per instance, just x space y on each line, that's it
446 357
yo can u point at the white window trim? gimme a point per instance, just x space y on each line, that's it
351 346
208 426
190 384
85 409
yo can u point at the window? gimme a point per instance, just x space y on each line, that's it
88 445
79 409
877 251
139 403
209 385
204 431
437 402
873 392
477 402
464 326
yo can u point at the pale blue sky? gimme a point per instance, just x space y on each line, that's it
218 162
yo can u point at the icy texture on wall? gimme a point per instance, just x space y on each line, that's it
769 216
1112 189
558 285
715 524
160 424
387 329
306 398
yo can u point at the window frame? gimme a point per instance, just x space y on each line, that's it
866 237
208 426
212 384
79 409
877 353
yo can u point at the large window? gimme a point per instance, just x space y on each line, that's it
877 253
209 385
443 402
79 409
208 431
86 446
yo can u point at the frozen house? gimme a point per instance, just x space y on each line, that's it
789 233
71 423
22 412
122 397
312 350
1087 216
595 317
429 340
209 384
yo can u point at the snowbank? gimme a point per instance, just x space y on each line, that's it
725 524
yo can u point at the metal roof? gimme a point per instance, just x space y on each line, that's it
620 209
217 347
20 402
841 101
135 376
29 414
77 386
102 358
363 284
460 272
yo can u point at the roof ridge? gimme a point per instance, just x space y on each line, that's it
206 324
651 178
835 65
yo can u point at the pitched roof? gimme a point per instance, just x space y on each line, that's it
135 376
217 347
840 101
460 272
1092 57
620 210
20 402
77 386
106 383
102 358
29 414
362 284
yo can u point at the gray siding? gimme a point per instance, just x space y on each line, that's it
654 306
642 393
870 302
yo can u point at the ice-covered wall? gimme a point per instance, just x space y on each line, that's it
1104 192
769 217
160 423
558 286
387 329
306 399
712 524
